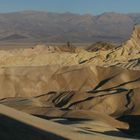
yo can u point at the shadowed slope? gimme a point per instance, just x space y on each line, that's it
16 125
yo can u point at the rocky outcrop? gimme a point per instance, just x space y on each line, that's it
126 56
132 46
101 46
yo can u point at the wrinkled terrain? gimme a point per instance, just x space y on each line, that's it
67 92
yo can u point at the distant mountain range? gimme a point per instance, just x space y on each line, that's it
36 26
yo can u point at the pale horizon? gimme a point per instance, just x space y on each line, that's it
95 7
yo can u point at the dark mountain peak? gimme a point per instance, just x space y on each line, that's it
61 27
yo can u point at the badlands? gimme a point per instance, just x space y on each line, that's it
67 92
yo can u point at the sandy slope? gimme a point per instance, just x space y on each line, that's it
95 93
32 81
42 129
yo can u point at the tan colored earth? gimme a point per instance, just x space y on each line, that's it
50 92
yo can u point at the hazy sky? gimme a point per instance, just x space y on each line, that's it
75 6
